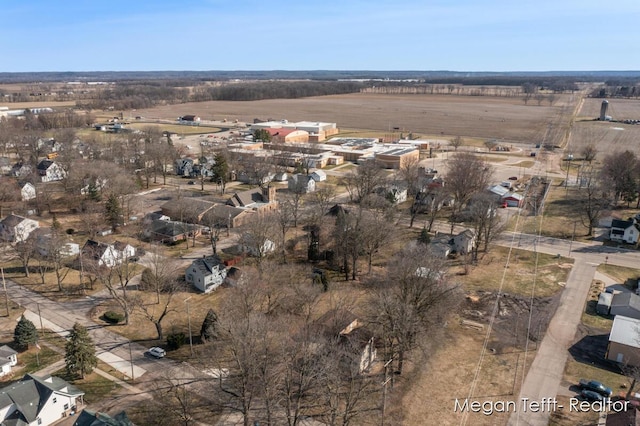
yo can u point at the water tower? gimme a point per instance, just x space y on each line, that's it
603 110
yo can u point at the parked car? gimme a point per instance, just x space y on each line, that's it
192 182
157 352
591 396
513 178
595 386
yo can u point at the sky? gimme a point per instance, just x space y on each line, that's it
422 35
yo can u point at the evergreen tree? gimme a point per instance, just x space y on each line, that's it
80 357
113 211
25 333
424 237
220 170
209 329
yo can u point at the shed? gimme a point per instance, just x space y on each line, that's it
319 176
513 200
604 303
626 304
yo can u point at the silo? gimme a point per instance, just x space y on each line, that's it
603 110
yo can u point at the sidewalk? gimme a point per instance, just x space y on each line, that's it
122 365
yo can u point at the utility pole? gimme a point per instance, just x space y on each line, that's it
6 296
40 316
189 322
384 390
131 362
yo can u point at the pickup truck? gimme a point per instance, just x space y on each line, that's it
595 386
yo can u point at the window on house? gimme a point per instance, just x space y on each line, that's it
39 421
55 400
66 406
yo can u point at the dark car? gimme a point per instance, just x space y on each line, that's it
513 178
595 386
591 396
192 182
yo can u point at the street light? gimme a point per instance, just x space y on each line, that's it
186 301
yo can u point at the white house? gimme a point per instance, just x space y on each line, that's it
206 274
107 254
624 231
50 171
319 175
38 401
463 242
27 191
45 240
8 359
14 228
301 184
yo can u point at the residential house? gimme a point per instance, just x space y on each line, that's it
15 229
344 328
440 247
21 170
5 165
108 255
302 184
8 359
206 274
464 242
258 199
170 231
625 304
394 193
624 231
624 341
319 175
38 401
27 191
93 418
249 245
187 209
184 167
628 417
50 171
45 239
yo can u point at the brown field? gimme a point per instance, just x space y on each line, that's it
607 136
444 115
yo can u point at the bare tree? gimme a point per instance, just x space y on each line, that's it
456 143
410 173
376 229
364 180
589 152
158 311
486 223
595 197
622 170
259 236
467 174
413 299
117 281
25 251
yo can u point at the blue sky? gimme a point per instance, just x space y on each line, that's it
456 35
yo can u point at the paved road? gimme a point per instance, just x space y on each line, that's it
546 371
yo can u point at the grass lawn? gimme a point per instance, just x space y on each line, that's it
621 274
35 359
521 275
94 386
590 317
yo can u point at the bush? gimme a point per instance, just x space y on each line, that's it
176 340
113 317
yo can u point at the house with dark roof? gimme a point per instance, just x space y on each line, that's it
624 231
93 418
206 274
15 229
108 255
256 199
8 359
38 401
50 171
170 231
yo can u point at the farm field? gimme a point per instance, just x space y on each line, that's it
607 136
431 115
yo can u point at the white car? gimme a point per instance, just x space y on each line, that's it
157 352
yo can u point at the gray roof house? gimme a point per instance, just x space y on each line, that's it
624 341
38 401
301 183
206 274
14 228
625 304
8 358
95 418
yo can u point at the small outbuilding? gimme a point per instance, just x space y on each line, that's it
604 303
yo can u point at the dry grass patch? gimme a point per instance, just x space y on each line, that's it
623 275
520 275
